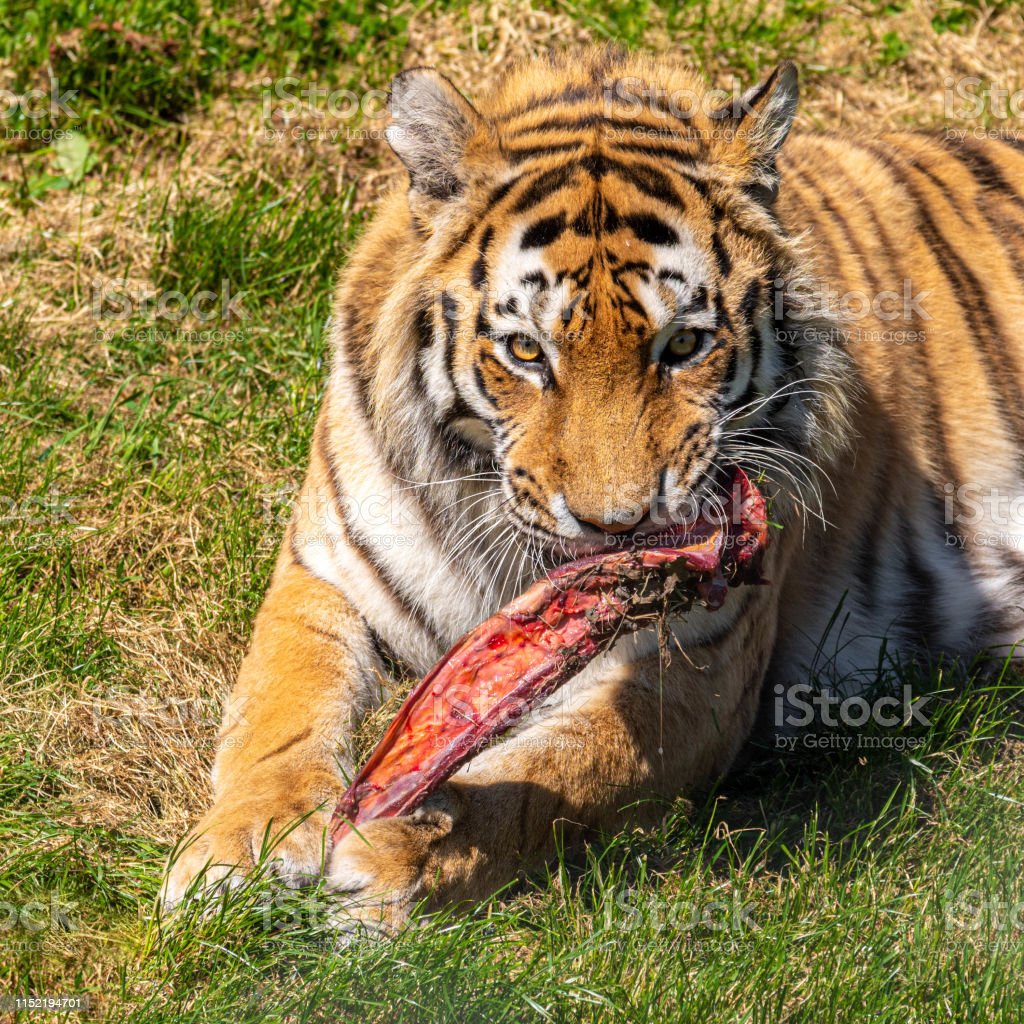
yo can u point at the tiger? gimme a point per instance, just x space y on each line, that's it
601 285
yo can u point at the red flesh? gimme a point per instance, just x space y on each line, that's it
511 662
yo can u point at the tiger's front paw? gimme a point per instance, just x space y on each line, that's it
383 870
280 833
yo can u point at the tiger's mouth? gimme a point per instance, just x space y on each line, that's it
715 499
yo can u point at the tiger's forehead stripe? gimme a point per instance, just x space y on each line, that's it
527 289
655 182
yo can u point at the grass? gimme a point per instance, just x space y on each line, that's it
146 460
139 65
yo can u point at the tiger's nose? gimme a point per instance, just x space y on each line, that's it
615 521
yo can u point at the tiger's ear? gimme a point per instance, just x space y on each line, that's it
432 125
757 123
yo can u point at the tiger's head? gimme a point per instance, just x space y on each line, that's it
596 262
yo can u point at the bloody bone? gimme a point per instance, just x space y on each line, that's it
524 652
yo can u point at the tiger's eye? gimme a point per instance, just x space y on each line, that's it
526 350
683 344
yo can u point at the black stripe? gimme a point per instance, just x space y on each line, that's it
688 161
1006 225
681 165
919 621
423 328
460 450
698 303
508 306
730 371
640 267
483 326
573 94
872 533
287 745
648 100
748 304
593 119
481 384
544 185
460 410
456 246
478 272
700 186
984 170
651 229
721 313
393 585
644 177
745 313
394 666
672 275
583 224
769 239
368 554
612 220
353 345
688 435
721 254
648 179
543 232
519 154
501 191
449 315
970 294
939 451
937 181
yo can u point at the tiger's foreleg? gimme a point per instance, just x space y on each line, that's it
310 673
